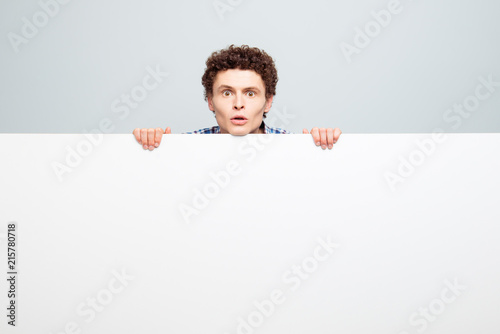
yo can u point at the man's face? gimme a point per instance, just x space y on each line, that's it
239 101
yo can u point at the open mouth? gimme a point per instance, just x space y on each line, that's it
239 120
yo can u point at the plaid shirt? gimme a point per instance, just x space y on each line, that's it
216 129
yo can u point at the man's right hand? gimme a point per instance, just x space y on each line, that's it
149 138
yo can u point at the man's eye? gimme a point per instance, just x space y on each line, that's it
226 93
251 94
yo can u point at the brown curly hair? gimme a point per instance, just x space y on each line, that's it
243 58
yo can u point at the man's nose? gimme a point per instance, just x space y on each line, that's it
238 102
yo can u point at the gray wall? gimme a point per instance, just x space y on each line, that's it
68 71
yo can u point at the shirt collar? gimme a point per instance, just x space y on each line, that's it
264 127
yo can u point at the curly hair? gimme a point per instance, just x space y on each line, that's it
243 58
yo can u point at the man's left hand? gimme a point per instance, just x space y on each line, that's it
325 137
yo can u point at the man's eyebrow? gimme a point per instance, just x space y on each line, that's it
224 87
253 88
230 87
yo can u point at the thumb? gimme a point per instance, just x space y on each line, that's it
167 130
305 131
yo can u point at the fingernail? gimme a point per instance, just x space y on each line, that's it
330 146
317 143
145 147
151 147
323 146
156 144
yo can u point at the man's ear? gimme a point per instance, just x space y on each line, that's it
210 103
269 103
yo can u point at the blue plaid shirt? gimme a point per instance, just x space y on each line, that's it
216 129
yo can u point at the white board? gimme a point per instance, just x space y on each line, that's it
286 238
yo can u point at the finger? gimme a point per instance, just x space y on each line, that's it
137 134
322 134
158 135
167 130
336 134
329 137
315 135
304 131
144 138
151 139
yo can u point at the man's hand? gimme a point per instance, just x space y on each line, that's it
149 138
324 136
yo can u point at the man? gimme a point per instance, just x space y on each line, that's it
240 83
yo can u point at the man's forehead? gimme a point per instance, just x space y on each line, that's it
238 78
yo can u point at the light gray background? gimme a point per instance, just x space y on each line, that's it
428 58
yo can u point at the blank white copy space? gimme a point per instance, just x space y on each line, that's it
253 234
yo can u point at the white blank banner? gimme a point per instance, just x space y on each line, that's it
256 234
